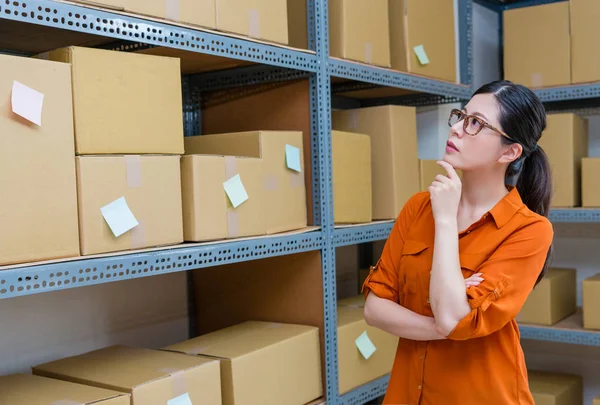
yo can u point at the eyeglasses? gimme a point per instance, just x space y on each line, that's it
472 124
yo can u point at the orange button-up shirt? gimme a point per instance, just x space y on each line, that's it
482 361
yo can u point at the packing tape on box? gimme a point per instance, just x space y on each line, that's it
352 119
271 183
253 23
138 236
537 80
368 52
233 228
178 377
66 402
133 165
230 167
296 180
172 10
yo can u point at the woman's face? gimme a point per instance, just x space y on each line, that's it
467 152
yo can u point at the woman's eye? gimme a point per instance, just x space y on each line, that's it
474 123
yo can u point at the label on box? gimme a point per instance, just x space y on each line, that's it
365 346
119 217
292 158
181 400
235 191
27 102
421 54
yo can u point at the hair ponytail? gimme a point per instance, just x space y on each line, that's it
535 182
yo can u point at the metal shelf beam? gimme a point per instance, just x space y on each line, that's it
81 272
577 337
365 393
572 92
353 235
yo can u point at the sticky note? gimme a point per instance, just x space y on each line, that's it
180 400
27 102
365 346
421 54
292 158
235 190
119 217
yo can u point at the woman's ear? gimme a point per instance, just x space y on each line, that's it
511 153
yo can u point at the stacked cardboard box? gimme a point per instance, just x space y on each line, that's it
152 377
565 141
591 302
34 390
590 173
274 176
262 363
552 300
394 154
127 108
596 401
553 44
38 208
555 389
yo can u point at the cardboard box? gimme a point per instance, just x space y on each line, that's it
283 106
38 208
27 389
428 169
552 300
124 103
555 389
297 24
537 51
590 173
285 194
207 211
152 377
359 31
394 153
354 370
591 302
429 24
596 401
357 301
151 186
263 363
585 49
352 190
565 141
260 19
195 12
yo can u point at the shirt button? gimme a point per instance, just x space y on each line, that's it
468 231
428 300
422 357
419 387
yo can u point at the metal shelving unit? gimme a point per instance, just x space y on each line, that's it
58 23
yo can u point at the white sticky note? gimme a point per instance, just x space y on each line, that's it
365 346
119 217
235 190
292 158
27 102
180 400
421 54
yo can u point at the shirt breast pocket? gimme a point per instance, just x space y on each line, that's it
415 267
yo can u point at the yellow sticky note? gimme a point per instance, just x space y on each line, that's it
235 190
421 54
365 346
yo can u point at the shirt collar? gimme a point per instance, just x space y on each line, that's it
507 207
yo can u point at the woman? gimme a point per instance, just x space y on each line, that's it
460 345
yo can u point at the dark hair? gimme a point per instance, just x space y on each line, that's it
523 118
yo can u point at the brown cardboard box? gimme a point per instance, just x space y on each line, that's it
124 102
27 389
151 186
152 377
537 45
282 106
596 401
285 195
565 141
585 49
427 23
285 357
555 389
394 153
552 300
428 169
591 302
297 24
357 301
353 368
38 207
260 19
207 212
359 31
352 191
590 173
196 12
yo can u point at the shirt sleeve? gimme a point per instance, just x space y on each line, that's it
509 276
383 277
